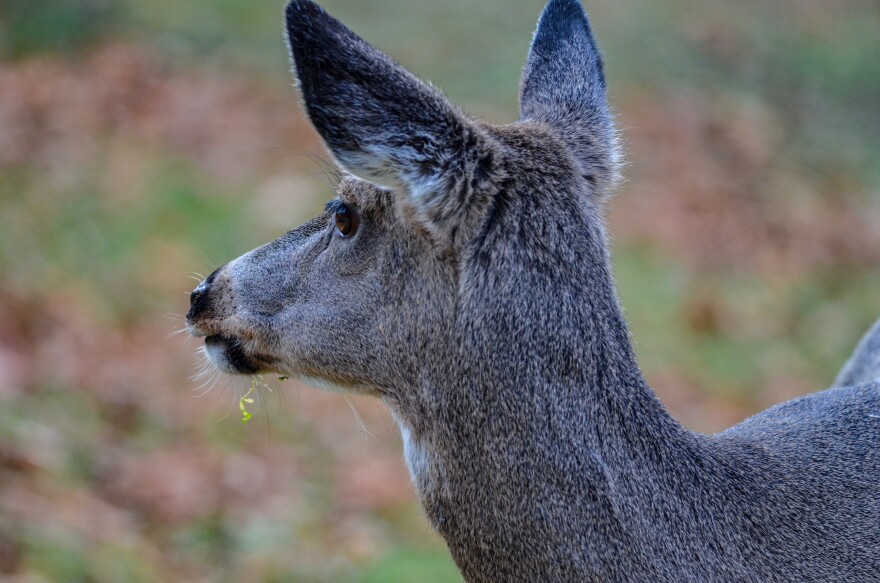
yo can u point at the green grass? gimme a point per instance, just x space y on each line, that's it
55 25
406 566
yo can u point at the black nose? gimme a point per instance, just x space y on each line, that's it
198 299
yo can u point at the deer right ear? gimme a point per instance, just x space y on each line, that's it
381 123
563 85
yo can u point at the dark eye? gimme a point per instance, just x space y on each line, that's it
346 221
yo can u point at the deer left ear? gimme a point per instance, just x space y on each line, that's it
381 123
563 85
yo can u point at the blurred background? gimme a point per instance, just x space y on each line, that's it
145 143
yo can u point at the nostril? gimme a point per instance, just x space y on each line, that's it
198 294
198 299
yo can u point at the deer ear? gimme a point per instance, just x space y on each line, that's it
381 123
563 85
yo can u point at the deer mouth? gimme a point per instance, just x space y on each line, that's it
228 354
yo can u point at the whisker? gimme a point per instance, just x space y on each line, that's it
201 360
213 380
331 173
202 368
282 395
204 376
234 400
360 421
203 363
176 333
268 428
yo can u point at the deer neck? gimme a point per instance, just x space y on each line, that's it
563 420
542 410
565 377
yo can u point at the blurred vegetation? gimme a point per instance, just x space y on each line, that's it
54 25
140 141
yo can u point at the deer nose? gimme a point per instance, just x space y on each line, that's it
198 299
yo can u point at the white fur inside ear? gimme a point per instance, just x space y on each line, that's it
393 169
419 191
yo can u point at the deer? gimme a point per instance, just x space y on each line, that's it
462 275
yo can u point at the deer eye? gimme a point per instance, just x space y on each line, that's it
346 221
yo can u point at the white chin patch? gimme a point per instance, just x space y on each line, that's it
217 355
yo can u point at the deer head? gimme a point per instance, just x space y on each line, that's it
447 233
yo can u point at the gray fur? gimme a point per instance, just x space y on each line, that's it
476 300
